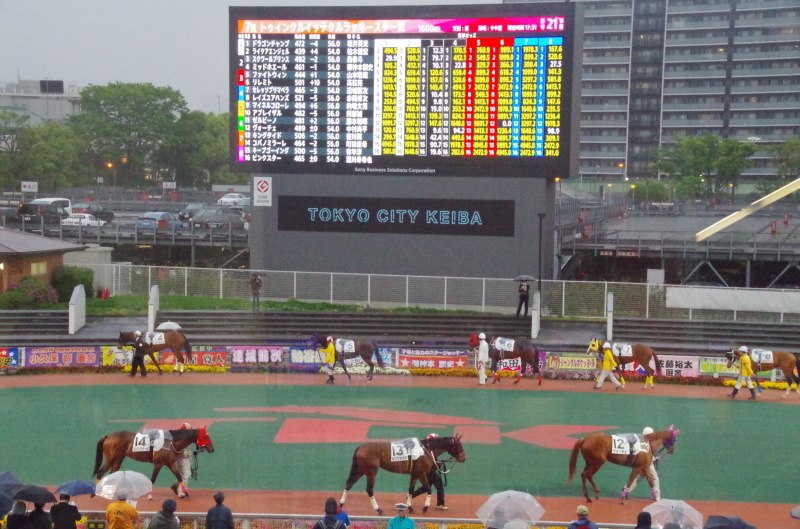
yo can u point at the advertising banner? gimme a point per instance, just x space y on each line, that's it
719 365
303 355
677 366
9 357
255 354
62 356
571 361
408 358
202 355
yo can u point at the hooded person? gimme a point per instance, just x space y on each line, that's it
165 518
330 521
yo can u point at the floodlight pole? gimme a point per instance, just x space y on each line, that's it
541 218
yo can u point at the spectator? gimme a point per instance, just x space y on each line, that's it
523 298
219 516
63 514
255 290
401 521
39 518
583 519
165 518
342 516
330 520
121 514
18 519
643 521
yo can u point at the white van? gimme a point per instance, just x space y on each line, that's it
64 203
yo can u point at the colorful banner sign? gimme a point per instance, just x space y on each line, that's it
409 358
255 354
571 362
62 356
677 366
202 355
303 355
9 357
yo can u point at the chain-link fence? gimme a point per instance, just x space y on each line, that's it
566 299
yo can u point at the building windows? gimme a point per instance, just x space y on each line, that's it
39 269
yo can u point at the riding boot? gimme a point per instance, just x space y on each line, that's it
733 395
330 379
752 394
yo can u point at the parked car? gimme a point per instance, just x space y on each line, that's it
93 208
34 213
186 213
231 199
64 203
82 219
218 218
243 209
158 220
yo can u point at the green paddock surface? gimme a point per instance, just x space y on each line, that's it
726 451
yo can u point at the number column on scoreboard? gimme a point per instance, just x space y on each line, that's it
553 87
335 81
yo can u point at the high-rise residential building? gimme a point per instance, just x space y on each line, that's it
656 68
41 100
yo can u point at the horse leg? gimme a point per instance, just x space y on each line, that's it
371 491
371 367
344 367
588 475
426 487
179 486
495 374
153 358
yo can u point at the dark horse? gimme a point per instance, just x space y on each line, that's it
175 341
365 349
596 450
117 446
370 457
638 352
525 350
786 362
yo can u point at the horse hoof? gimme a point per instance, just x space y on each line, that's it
424 509
410 509
380 512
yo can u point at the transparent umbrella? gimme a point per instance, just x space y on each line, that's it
510 507
131 483
675 511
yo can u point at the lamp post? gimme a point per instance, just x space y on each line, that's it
110 165
541 218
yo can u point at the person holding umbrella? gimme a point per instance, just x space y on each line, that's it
121 514
523 297
39 518
64 515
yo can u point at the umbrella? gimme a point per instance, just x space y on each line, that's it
75 487
727 522
6 502
168 326
666 511
525 277
7 478
131 483
509 507
34 494
795 512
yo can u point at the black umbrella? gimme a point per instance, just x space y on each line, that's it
5 503
7 478
34 494
525 277
727 522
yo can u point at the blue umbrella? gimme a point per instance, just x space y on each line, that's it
7 478
5 503
76 487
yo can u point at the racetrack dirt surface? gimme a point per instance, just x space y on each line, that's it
607 509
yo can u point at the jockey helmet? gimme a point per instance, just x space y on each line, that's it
186 426
137 333
743 348
330 339
481 336
647 431
432 435
606 345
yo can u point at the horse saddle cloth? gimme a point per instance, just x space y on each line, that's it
406 448
150 439
622 349
761 356
628 444
345 346
154 338
504 344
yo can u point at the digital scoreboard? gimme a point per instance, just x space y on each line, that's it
470 90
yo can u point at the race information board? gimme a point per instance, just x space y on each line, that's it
478 90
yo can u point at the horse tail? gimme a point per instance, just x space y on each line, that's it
186 345
98 458
655 359
573 459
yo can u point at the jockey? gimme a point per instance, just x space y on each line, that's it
329 352
745 374
607 367
185 467
656 490
482 358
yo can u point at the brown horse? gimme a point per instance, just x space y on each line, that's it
785 361
370 457
596 450
175 341
525 350
117 446
361 348
622 356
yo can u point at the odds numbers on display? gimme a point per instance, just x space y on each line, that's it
480 94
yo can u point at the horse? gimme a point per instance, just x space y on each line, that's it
370 457
596 449
365 349
638 352
525 350
115 447
785 361
175 341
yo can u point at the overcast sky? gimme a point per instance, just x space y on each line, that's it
178 43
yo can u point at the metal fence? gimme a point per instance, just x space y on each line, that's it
560 299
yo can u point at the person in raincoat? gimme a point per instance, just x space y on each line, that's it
745 374
607 366
329 358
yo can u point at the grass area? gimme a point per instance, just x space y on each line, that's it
130 305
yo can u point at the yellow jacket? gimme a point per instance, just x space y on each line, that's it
329 353
608 361
746 368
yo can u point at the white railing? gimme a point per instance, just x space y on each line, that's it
561 299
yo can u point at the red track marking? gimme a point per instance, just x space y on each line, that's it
167 424
296 430
483 435
371 414
553 435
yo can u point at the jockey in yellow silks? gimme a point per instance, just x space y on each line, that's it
745 374
607 367
329 357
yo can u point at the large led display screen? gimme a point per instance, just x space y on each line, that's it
470 90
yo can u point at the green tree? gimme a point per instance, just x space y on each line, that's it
49 155
718 163
127 122
11 125
787 159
